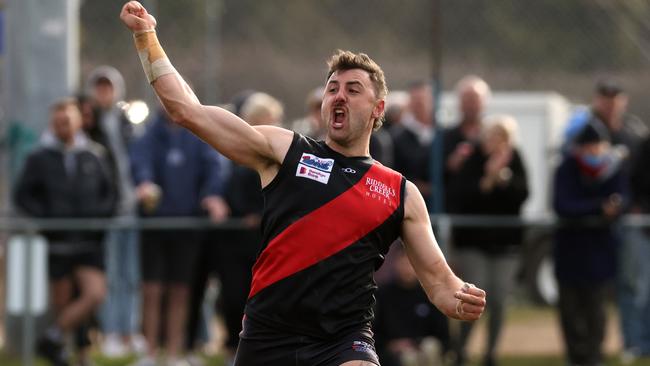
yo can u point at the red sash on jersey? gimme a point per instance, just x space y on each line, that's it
330 228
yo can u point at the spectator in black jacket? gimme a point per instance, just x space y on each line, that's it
68 177
413 136
459 141
491 181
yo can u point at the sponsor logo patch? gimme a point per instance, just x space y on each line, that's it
379 189
312 173
315 168
361 346
314 161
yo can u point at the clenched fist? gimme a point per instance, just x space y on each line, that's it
136 18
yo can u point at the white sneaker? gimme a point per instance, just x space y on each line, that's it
113 347
176 361
195 360
138 344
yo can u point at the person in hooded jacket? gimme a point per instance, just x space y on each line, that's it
68 177
110 128
589 184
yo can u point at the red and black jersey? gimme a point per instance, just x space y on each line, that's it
328 222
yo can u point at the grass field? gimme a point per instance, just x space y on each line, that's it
531 338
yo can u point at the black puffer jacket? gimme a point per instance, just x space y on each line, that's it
73 183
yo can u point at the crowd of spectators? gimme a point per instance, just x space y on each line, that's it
146 288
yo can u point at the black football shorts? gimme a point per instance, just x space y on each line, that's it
259 345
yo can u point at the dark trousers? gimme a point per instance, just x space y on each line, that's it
583 319
234 267
230 255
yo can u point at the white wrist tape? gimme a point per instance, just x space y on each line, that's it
153 58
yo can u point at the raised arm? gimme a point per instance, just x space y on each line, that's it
261 148
445 290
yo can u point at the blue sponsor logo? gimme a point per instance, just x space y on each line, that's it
365 347
316 162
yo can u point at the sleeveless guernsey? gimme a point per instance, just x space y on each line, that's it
328 222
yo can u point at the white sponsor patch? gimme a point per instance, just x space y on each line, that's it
312 173
314 161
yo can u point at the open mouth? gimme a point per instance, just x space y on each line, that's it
339 117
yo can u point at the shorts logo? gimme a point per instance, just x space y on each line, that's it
361 346
315 168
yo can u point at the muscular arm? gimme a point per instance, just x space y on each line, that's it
441 285
261 148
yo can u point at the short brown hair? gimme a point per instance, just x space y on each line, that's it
67 105
348 60
64 103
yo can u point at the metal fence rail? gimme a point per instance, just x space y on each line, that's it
22 224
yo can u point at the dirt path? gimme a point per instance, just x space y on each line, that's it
536 331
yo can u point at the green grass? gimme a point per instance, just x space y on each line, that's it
8 360
12 360
103 361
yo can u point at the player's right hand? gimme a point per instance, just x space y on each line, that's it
136 18
471 302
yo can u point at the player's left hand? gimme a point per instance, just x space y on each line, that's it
470 302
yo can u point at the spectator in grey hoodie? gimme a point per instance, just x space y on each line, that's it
119 315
